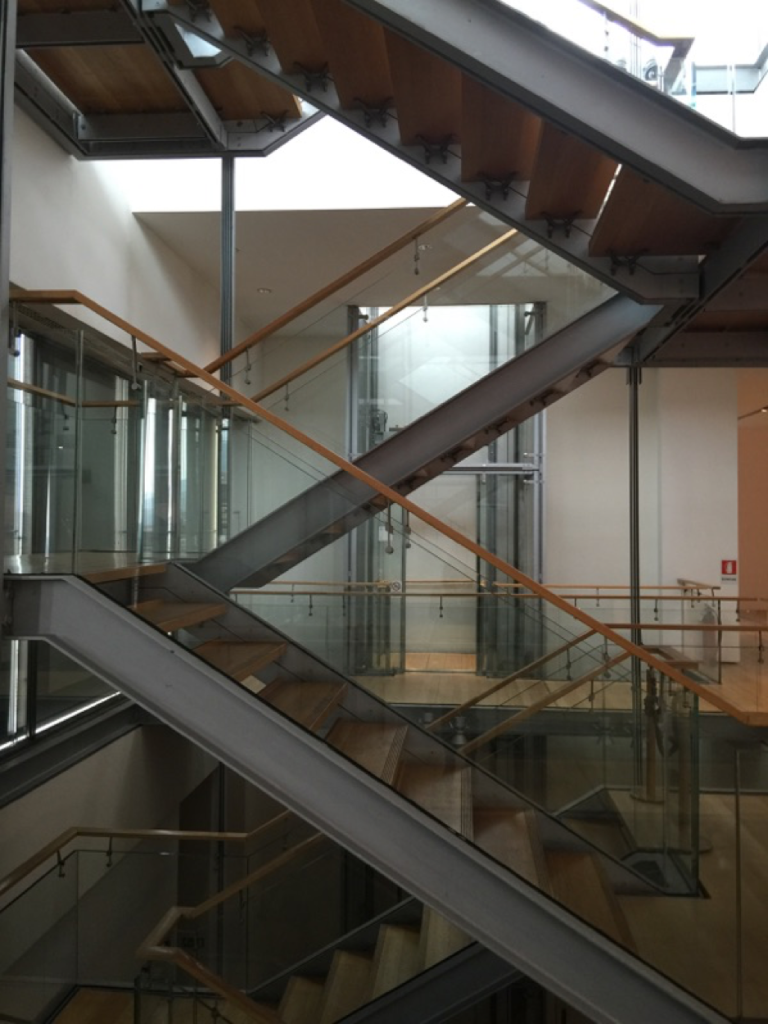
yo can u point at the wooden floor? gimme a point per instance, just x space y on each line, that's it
744 687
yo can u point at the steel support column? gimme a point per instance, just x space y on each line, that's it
227 291
7 63
633 381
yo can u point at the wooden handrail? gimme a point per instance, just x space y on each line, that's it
84 832
525 670
539 705
351 275
71 297
409 300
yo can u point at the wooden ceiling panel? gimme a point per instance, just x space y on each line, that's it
63 6
730 320
236 16
110 79
499 138
293 33
357 54
241 94
427 93
640 216
570 178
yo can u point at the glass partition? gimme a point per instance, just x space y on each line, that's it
700 56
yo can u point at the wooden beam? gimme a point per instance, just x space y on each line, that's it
351 275
409 300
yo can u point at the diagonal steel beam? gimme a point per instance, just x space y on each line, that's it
653 279
639 127
441 868
722 268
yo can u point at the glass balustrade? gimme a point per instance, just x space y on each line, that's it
698 56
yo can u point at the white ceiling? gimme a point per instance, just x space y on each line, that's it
296 253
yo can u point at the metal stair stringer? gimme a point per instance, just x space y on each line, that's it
504 913
475 417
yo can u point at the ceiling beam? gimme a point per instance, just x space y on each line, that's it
76 28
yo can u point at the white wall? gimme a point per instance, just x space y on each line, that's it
689 500
72 228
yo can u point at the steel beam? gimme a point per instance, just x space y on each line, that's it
451 987
505 914
742 247
640 127
713 348
654 279
7 65
507 396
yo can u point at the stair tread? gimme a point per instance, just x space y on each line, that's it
578 882
444 791
172 615
96 1005
376 746
240 658
511 836
301 1000
309 704
439 938
347 985
396 958
126 572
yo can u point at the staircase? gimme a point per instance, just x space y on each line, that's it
426 448
472 849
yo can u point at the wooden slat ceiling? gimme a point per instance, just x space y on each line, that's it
356 50
435 104
570 178
110 79
499 138
427 93
641 216
239 94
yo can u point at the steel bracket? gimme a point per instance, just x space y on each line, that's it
321 77
626 262
441 149
371 113
560 223
498 185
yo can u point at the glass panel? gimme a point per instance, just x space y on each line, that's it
113 457
39 944
61 687
711 63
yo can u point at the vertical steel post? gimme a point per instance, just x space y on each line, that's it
227 301
7 64
634 377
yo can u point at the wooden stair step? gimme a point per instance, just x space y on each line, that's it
438 938
511 836
309 704
347 985
578 881
375 746
97 1005
302 1001
172 615
443 791
396 958
125 572
569 178
239 658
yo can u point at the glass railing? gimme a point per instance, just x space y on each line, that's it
699 57
80 916
536 617
621 784
357 373
113 458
